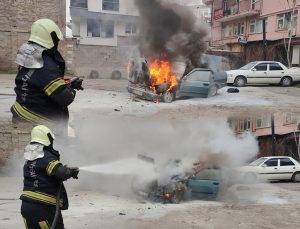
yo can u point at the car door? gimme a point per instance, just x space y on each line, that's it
286 169
258 74
275 73
196 84
269 169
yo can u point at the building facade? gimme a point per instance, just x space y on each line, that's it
286 133
199 8
238 26
105 32
16 18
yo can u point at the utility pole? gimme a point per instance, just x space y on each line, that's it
273 135
264 39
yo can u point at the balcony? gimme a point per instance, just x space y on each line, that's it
237 11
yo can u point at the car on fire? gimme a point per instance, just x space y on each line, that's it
272 168
263 72
203 183
198 83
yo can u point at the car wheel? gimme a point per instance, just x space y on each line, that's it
296 177
212 91
240 81
168 97
286 81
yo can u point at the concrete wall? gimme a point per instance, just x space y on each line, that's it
16 18
103 59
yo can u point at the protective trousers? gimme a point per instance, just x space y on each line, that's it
40 216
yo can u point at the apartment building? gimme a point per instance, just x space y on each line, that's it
105 31
237 26
104 22
199 8
286 132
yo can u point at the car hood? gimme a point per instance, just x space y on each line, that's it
247 168
235 71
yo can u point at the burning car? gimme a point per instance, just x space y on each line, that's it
157 82
200 183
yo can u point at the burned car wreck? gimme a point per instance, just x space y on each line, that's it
158 82
202 182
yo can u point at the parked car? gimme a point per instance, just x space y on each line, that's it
200 83
272 168
263 72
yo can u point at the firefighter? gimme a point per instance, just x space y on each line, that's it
43 176
42 94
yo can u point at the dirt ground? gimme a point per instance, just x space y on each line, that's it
263 206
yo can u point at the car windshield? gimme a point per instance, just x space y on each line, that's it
208 174
258 161
248 66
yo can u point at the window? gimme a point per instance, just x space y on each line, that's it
93 28
286 162
291 118
272 162
107 29
226 32
244 124
284 20
252 24
200 76
275 67
96 28
130 28
238 29
261 67
263 122
79 3
255 26
253 4
112 5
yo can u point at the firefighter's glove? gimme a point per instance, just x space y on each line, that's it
76 83
73 172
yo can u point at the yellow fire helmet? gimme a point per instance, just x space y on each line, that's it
41 32
40 133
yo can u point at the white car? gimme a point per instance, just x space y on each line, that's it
263 72
272 168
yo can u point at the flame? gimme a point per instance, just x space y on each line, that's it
160 72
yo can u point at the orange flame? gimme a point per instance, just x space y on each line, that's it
160 72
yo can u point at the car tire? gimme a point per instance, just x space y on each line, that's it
168 97
240 81
296 177
286 81
213 90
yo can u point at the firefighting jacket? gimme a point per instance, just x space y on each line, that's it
42 178
42 96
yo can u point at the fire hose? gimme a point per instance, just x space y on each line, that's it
57 206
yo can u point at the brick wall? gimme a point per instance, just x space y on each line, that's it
16 18
13 141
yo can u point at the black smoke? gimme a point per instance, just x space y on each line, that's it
171 29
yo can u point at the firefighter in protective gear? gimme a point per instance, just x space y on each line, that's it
43 177
42 94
